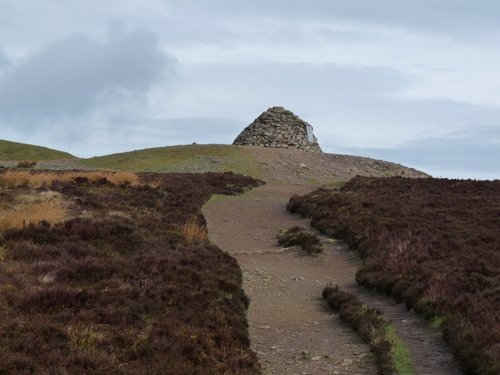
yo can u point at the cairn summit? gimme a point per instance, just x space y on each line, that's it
279 128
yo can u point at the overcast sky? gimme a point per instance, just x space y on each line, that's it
411 81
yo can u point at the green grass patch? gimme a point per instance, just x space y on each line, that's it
334 185
21 151
400 353
181 159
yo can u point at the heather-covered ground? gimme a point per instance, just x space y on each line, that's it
433 243
122 280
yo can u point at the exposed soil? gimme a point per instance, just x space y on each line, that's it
295 166
292 329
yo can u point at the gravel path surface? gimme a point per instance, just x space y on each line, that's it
292 329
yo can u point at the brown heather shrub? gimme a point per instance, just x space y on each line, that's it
432 243
298 236
120 178
126 293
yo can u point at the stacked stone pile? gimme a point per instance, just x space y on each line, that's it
279 128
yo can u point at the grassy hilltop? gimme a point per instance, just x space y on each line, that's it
20 151
190 158
270 164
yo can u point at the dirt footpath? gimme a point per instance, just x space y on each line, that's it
292 329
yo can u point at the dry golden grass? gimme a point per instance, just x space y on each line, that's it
46 206
50 207
15 178
192 230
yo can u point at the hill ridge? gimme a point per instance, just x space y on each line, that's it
16 151
285 165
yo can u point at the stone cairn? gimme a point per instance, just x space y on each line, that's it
279 128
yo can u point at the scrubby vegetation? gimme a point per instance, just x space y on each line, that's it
126 283
433 243
367 322
297 236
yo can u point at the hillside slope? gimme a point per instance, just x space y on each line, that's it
284 165
270 164
190 158
21 151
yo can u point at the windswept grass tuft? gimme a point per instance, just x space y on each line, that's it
193 230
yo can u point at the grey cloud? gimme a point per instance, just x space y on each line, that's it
71 76
460 17
293 84
4 60
465 153
439 115
195 129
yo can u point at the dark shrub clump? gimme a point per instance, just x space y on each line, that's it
367 322
26 164
297 236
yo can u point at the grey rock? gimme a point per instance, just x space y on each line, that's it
279 128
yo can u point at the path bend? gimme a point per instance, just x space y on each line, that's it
291 328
